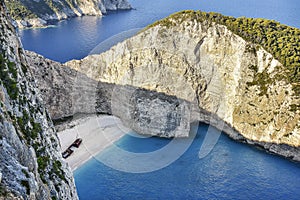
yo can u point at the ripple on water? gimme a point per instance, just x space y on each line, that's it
231 170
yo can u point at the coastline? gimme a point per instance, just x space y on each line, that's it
97 133
48 23
40 23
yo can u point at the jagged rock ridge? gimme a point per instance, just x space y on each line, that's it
31 166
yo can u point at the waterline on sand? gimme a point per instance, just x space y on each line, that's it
97 133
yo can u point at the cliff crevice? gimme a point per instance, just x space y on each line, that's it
31 165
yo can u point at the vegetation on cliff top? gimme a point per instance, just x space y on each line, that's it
280 40
18 11
28 9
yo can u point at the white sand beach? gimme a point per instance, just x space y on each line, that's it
97 133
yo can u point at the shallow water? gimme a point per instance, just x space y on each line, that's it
231 171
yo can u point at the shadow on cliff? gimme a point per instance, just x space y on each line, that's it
69 94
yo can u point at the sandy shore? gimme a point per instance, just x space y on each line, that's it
97 133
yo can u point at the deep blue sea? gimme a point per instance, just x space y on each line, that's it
230 171
75 38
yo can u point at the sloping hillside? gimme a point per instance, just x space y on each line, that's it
30 13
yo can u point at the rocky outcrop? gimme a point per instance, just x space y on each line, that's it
39 13
68 93
168 76
114 5
208 64
31 166
65 91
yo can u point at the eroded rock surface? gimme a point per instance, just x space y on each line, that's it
205 62
67 93
39 13
166 77
31 165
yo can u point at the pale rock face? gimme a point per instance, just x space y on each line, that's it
211 65
38 22
151 113
28 140
63 9
99 7
67 93
89 8
115 5
162 79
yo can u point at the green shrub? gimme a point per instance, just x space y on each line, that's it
25 183
36 129
282 41
25 9
8 77
18 10
43 162
56 169
294 107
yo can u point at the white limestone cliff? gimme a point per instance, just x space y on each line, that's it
166 77
207 64
31 165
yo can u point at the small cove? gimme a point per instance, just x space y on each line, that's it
231 171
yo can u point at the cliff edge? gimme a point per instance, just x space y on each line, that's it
31 165
211 60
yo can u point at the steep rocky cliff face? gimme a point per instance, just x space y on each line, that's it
206 63
31 166
65 91
68 93
168 76
39 13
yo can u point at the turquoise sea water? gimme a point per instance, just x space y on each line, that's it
231 171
